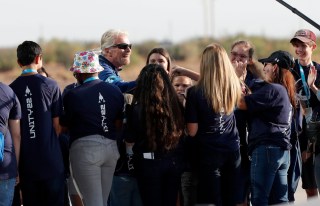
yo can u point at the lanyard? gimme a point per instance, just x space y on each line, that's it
305 86
27 71
90 79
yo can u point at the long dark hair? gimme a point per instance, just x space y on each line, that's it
161 111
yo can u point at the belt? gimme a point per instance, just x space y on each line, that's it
157 156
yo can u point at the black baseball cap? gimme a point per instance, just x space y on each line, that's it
282 58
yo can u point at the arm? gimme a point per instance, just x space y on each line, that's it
241 69
56 125
192 129
186 72
14 126
242 103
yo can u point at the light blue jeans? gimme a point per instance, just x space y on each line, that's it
93 160
269 167
7 191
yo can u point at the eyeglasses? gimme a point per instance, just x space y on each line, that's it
122 46
242 56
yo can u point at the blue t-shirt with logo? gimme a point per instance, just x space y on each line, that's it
9 110
92 108
216 131
110 75
270 117
40 98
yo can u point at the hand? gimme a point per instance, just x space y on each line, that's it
17 180
312 76
305 156
240 69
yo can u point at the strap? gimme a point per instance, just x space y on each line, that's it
304 82
27 71
90 79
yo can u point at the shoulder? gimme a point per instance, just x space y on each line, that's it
5 87
110 87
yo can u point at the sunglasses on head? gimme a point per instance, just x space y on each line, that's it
123 46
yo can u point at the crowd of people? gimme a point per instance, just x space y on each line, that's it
236 133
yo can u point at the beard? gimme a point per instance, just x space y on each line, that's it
125 60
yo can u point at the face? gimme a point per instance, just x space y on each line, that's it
269 70
157 58
181 83
303 50
119 54
239 53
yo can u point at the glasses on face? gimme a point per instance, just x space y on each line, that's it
123 46
241 56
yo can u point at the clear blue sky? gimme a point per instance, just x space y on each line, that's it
176 20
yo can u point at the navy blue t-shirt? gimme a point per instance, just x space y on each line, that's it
9 109
92 108
40 98
270 115
216 131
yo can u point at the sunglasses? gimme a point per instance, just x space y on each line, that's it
123 46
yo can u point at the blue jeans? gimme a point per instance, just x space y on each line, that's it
317 170
218 178
125 192
93 160
269 167
7 191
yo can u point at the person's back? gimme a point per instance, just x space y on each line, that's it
10 111
40 100
41 160
211 122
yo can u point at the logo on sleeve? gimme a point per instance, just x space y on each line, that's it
29 105
113 79
102 105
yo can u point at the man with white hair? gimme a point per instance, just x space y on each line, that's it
115 53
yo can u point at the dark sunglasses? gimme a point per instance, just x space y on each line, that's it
123 46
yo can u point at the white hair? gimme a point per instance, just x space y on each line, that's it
109 37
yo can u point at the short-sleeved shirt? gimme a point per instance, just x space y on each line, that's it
40 99
270 115
110 75
9 109
92 108
216 131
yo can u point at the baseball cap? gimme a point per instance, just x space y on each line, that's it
304 35
282 58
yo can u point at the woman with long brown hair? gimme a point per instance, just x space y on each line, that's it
155 125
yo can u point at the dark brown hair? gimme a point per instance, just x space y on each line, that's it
161 111
163 52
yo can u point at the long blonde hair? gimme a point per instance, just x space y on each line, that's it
218 80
